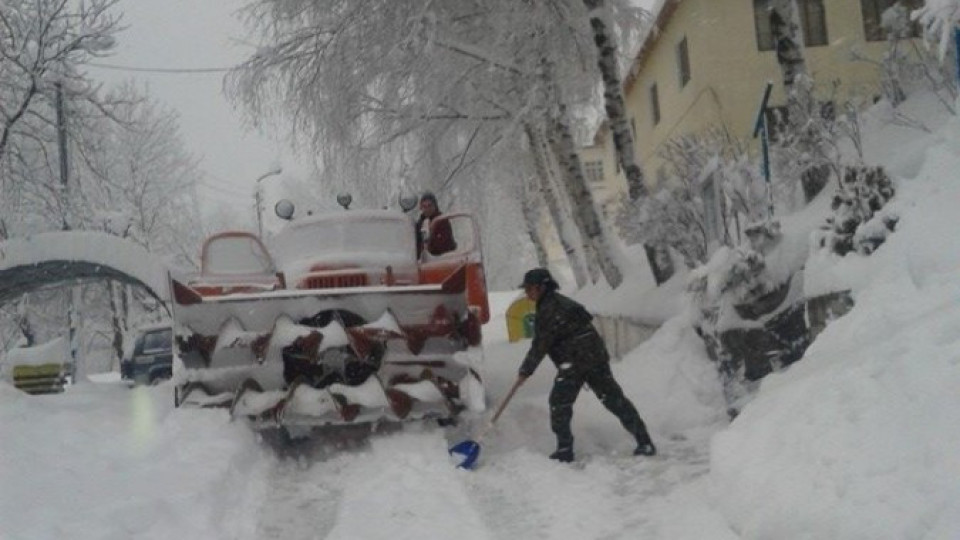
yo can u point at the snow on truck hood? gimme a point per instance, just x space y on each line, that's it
364 238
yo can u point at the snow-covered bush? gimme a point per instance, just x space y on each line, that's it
906 65
858 223
807 135
742 309
939 17
735 275
678 216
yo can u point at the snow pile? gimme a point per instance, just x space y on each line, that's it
87 246
859 439
672 381
54 351
638 297
105 461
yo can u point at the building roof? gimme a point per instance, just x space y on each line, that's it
663 10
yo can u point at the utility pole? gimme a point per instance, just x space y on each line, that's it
62 149
73 315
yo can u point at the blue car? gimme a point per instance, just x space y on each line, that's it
152 359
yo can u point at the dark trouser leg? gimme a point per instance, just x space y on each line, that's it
565 389
603 384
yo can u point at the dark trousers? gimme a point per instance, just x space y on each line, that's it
567 386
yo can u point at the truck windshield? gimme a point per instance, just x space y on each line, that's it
361 239
236 255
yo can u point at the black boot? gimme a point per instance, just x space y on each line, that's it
563 455
645 445
645 449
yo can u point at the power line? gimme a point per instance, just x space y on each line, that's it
161 70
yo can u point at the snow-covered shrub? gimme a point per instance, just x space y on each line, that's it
701 166
743 311
735 276
859 222
907 66
939 17
672 217
807 135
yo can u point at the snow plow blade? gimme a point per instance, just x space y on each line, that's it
330 356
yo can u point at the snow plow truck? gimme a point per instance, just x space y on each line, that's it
335 319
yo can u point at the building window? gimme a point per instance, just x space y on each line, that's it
683 62
593 170
654 104
873 18
813 23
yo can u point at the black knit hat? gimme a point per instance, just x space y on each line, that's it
429 196
539 276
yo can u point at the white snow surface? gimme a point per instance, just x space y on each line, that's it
857 440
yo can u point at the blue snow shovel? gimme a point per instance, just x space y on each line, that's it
469 450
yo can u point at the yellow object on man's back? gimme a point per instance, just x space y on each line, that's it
520 317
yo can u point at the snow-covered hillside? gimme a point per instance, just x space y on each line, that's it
858 440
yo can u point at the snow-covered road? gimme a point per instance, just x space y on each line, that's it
403 479
106 461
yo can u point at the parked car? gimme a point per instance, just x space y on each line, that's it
151 360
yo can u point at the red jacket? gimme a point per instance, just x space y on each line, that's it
440 239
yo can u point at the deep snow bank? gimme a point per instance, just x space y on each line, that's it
860 438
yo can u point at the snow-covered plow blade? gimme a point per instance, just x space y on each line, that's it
330 356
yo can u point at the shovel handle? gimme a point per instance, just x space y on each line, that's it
500 408
506 399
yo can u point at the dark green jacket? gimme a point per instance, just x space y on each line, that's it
563 330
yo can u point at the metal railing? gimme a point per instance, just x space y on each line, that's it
622 334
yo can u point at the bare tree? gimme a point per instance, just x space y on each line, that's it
42 43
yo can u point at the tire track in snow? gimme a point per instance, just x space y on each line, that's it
602 496
398 486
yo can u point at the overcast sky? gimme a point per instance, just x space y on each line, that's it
176 34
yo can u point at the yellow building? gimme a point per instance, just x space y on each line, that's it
709 61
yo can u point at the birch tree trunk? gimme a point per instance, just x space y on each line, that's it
531 220
541 156
585 211
613 98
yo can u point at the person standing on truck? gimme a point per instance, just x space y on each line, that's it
563 330
437 238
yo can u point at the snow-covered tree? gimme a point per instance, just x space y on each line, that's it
907 66
138 179
940 18
677 216
42 45
425 91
